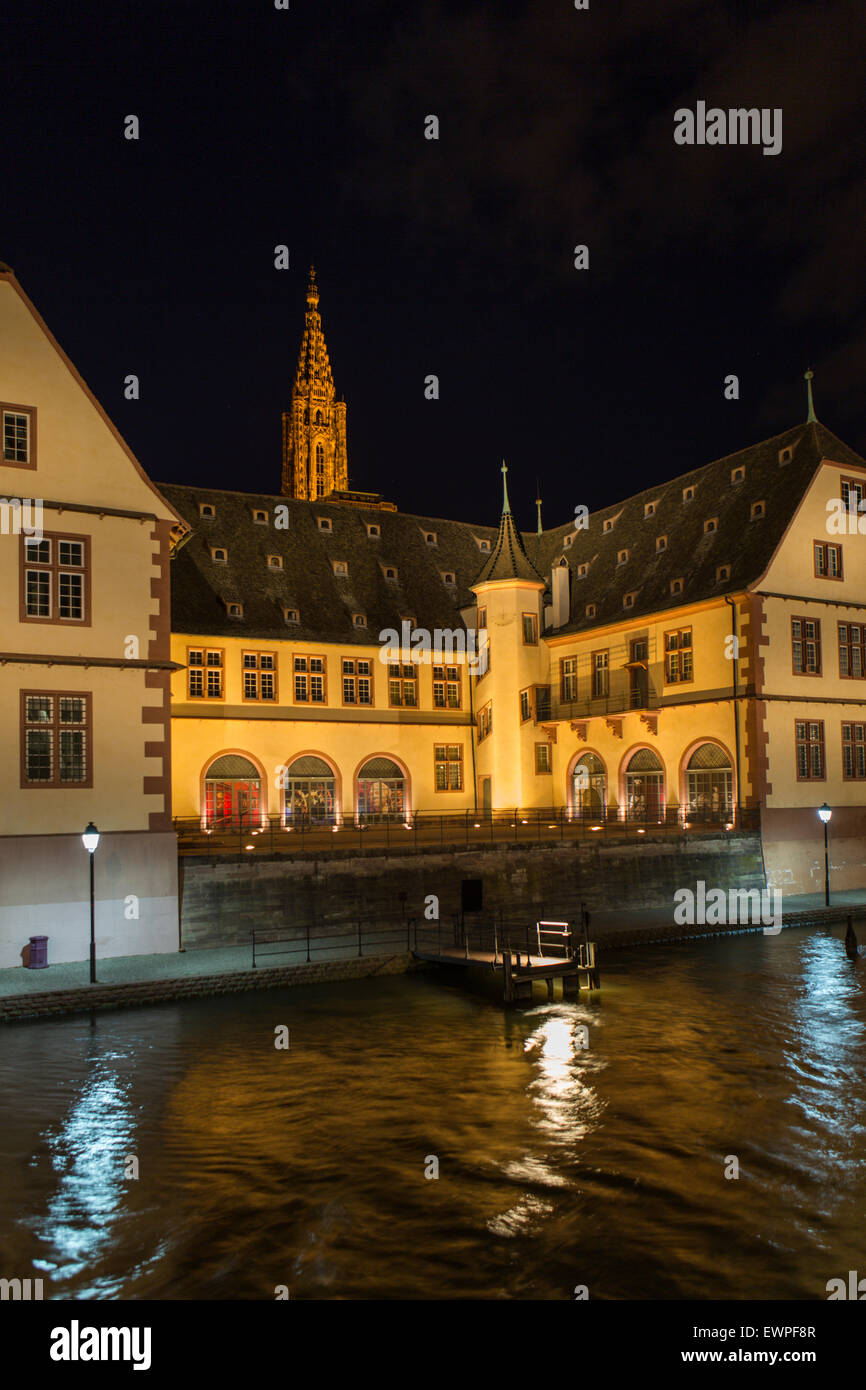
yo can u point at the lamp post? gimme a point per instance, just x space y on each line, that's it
824 814
90 840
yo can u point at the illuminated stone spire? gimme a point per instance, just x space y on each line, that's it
314 429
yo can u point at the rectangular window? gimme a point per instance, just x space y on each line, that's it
204 673
446 687
260 676
310 672
357 682
568 678
810 750
55 579
402 686
542 702
852 657
530 629
806 646
55 739
542 758
678 656
485 720
18 429
828 560
600 675
448 767
854 752
482 617
525 710
851 491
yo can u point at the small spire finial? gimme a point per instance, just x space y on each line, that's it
312 288
811 416
506 506
538 505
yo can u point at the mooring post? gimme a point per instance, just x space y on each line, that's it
851 947
508 985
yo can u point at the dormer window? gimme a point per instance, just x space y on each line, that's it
373 531
340 567
207 510
786 454
234 610
737 475
430 537
389 571
622 556
482 544
448 577
688 494
608 525
628 600
590 610
583 570
723 573
275 562
567 540
324 523
661 543
359 619
711 524
676 586
758 509
291 615
219 556
650 509
260 516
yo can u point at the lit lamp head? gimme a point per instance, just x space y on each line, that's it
90 838
824 813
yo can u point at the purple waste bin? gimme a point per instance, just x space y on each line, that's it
38 953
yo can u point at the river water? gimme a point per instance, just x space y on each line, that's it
559 1165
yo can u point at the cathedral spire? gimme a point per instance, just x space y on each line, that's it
314 429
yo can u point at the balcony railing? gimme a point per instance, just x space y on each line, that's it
467 829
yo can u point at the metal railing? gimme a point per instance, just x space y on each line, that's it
467 829
316 942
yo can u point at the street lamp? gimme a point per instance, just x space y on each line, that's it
824 814
90 840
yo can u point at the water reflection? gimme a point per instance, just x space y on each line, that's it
87 1151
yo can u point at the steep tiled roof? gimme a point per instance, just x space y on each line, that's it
326 601
692 554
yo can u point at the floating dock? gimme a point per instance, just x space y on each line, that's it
545 952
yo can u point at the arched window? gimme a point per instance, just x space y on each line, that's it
320 471
645 787
309 794
381 791
709 783
318 417
589 787
232 792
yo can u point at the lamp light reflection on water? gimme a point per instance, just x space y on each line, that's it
87 1153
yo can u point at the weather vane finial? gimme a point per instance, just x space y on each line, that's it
506 506
811 416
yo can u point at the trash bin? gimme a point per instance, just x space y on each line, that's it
38 953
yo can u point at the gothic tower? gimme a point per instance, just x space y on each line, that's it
314 430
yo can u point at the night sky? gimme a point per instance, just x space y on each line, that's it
306 127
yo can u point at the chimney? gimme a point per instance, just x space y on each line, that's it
560 577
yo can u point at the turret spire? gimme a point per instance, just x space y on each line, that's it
811 416
506 505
